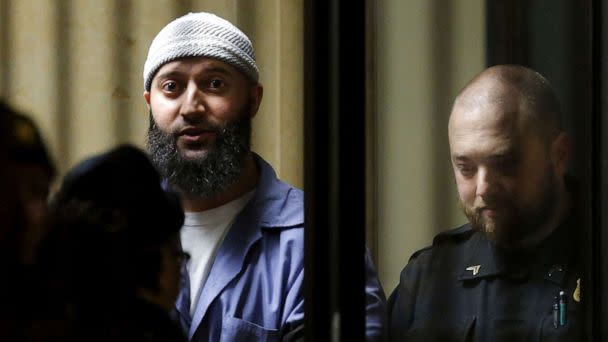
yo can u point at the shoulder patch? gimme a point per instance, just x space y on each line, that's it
455 234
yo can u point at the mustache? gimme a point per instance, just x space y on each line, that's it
182 128
489 204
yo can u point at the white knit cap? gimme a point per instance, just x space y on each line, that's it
200 35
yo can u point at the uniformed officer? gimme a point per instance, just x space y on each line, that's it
512 272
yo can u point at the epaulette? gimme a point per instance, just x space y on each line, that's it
416 253
455 234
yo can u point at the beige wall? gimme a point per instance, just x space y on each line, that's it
426 50
76 67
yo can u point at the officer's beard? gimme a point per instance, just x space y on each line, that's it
516 224
210 174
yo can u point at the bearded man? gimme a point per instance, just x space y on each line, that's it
244 228
512 273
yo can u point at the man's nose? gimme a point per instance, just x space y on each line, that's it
194 102
487 182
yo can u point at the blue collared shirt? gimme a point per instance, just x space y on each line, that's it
255 288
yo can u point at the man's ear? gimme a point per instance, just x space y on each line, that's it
560 153
147 98
256 94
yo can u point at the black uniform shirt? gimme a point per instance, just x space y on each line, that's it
464 288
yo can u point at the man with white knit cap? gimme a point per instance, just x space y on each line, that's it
244 228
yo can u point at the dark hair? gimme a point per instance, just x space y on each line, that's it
23 141
109 221
19 143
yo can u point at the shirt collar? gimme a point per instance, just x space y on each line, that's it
279 204
549 261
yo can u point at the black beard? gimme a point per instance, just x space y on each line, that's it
207 176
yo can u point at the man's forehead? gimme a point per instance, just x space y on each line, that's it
489 118
477 129
484 131
480 146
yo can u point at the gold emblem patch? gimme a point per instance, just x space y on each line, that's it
577 292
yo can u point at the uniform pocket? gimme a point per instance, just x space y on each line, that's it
441 329
236 329
571 331
537 329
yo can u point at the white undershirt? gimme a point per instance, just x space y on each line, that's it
201 237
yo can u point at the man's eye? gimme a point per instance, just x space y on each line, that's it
465 170
216 83
169 86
